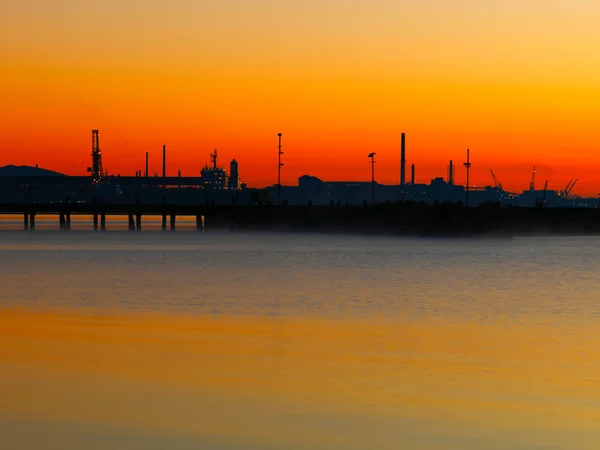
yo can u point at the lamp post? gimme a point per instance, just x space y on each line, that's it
468 166
372 156
279 166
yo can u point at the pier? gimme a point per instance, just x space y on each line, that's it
134 212
404 218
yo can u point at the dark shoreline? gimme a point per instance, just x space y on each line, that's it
413 219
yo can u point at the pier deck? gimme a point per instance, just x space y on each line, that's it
400 218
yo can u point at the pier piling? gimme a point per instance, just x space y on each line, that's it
173 222
103 222
67 214
164 216
95 214
131 222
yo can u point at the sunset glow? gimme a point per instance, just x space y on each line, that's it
514 81
425 370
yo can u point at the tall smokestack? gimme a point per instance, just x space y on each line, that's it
412 175
403 161
164 161
451 174
146 164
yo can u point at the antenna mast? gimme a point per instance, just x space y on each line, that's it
213 159
279 166
532 183
96 169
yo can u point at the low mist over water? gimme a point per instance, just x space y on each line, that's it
269 341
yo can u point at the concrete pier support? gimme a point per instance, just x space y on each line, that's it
131 222
173 222
138 222
32 221
67 214
199 223
103 221
95 214
25 215
164 216
62 223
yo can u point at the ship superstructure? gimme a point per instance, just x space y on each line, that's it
213 176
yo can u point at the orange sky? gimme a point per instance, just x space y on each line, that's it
514 81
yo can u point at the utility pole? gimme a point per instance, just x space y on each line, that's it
468 166
279 166
164 171
372 156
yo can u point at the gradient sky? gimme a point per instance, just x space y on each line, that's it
515 81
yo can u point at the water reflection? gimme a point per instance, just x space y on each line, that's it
250 383
269 342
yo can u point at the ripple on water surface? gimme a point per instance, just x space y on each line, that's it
237 341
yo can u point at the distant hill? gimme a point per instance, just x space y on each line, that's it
27 171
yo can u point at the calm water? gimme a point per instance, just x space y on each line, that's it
290 341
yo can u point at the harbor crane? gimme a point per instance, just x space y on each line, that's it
96 168
567 191
572 186
563 193
541 203
497 183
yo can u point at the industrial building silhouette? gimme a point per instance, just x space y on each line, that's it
216 185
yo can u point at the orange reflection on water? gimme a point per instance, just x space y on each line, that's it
259 380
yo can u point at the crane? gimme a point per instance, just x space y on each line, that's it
569 187
497 183
564 191
96 168
568 193
532 183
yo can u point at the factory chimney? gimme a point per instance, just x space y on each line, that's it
412 175
164 161
146 164
234 178
451 174
403 160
